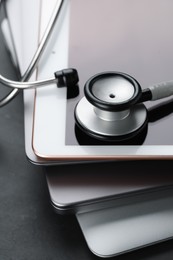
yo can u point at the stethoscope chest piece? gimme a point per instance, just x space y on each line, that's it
109 110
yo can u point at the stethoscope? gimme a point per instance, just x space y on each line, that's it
112 108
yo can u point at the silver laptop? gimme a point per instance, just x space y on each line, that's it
120 206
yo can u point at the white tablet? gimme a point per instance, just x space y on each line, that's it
94 37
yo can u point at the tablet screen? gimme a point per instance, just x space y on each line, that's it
133 37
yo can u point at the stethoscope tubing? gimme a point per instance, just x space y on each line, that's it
35 60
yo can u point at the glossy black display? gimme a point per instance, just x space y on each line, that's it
134 37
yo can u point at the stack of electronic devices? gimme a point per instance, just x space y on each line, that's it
121 193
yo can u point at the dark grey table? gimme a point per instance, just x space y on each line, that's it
29 228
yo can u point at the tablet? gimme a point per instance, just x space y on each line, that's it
133 37
124 37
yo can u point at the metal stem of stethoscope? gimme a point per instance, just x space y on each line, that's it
66 77
34 61
26 85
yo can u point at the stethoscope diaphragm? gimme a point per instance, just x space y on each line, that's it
109 110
